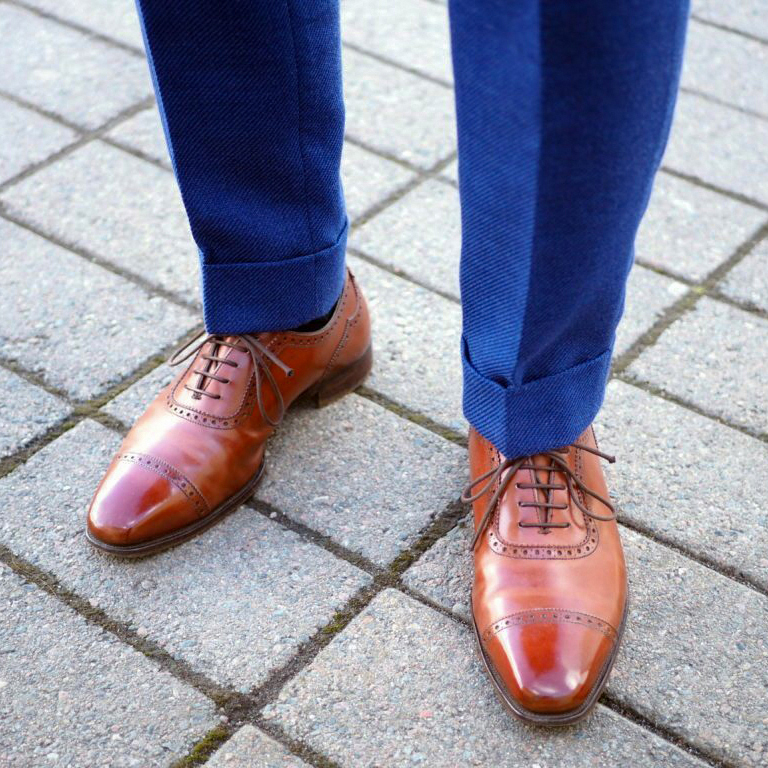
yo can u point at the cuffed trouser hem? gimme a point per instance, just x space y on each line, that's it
540 415
273 295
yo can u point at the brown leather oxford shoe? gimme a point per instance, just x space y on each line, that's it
198 450
550 591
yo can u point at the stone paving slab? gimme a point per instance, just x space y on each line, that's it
132 402
27 414
416 343
402 686
451 172
747 15
234 603
688 478
118 207
398 113
717 145
79 326
419 235
114 18
648 296
73 695
369 179
693 657
689 230
361 475
252 748
727 66
748 280
713 357
66 72
414 33
27 137
143 133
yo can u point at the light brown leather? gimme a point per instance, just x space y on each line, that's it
548 603
189 455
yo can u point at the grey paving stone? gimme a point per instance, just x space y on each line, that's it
416 343
73 695
118 207
748 15
27 137
451 172
26 412
648 295
695 656
369 179
707 685
748 280
252 748
131 403
79 326
235 603
717 144
67 72
413 33
398 113
365 701
689 230
144 133
419 235
727 66
114 18
362 475
688 478
713 357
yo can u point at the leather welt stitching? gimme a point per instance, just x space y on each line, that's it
551 616
168 471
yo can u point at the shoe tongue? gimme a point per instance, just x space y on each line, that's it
551 476
229 395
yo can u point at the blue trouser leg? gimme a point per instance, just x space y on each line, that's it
563 108
563 111
250 94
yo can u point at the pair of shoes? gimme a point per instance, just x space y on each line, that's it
550 586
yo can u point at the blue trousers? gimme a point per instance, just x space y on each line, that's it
563 110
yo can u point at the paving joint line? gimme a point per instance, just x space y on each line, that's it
84 137
415 417
81 409
148 287
670 397
723 103
87 31
689 300
725 28
725 570
699 182
386 60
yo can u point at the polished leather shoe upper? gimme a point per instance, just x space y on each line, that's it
201 441
550 591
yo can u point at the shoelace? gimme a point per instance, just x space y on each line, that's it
556 464
245 343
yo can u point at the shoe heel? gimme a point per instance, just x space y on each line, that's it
342 382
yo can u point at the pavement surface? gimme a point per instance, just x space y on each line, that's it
325 623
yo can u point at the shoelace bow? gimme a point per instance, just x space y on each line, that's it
246 343
557 464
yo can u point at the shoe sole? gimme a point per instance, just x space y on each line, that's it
321 394
556 718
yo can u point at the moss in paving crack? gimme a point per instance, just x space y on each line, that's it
204 748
